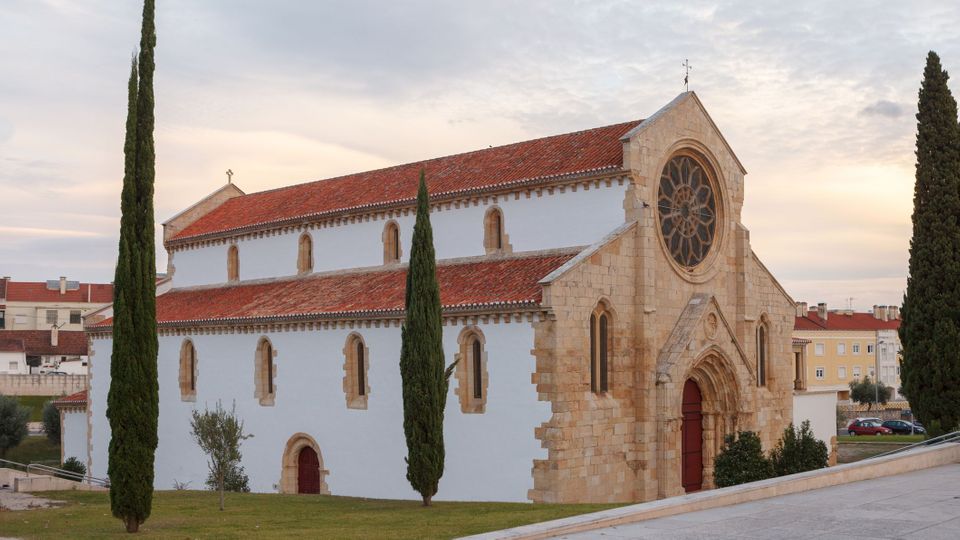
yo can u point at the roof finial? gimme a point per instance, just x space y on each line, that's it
686 76
229 176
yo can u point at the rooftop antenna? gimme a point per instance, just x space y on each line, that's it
229 176
686 76
849 302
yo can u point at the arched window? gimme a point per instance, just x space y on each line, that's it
305 254
762 354
471 371
264 373
494 237
601 342
233 263
391 242
188 371
356 367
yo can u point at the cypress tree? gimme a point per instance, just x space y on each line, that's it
930 326
424 379
132 402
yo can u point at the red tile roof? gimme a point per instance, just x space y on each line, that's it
11 344
464 285
571 153
79 398
37 342
29 291
839 322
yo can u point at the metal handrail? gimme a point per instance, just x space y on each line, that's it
953 436
104 482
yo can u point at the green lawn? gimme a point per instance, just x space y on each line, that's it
194 514
880 438
36 405
35 449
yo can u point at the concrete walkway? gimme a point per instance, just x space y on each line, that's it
922 504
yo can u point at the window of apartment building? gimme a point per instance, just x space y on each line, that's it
3 319
869 348
841 348
51 316
14 367
819 373
818 349
855 348
75 316
842 372
856 372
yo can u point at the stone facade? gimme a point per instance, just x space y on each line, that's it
670 324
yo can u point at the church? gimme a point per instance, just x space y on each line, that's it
610 321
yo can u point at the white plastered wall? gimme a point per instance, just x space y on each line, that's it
548 221
488 456
820 408
74 437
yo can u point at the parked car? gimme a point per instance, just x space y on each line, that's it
902 427
56 373
868 419
867 427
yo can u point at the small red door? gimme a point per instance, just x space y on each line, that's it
691 434
308 471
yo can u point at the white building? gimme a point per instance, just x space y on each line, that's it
599 294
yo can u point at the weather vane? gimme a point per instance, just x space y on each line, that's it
686 76
229 176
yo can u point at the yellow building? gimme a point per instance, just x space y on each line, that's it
840 346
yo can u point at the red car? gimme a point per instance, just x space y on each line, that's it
867 427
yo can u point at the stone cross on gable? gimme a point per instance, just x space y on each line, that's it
686 76
229 176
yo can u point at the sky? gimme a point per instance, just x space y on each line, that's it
818 100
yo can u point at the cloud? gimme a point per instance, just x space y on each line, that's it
885 108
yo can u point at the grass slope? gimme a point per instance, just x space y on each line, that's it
35 449
194 514
36 404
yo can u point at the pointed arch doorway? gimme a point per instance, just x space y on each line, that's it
691 435
303 470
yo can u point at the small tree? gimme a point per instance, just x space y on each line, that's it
219 434
798 451
866 392
741 461
13 424
51 422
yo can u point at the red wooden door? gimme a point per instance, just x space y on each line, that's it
691 434
308 471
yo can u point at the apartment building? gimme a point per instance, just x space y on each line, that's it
61 303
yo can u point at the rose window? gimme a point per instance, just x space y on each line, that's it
687 207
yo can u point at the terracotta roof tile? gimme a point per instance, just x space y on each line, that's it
37 342
838 322
73 399
463 285
582 151
11 344
29 291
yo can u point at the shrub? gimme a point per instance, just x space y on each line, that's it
51 422
741 461
13 424
220 433
798 451
235 479
73 465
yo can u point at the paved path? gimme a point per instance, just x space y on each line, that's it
23 501
919 505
